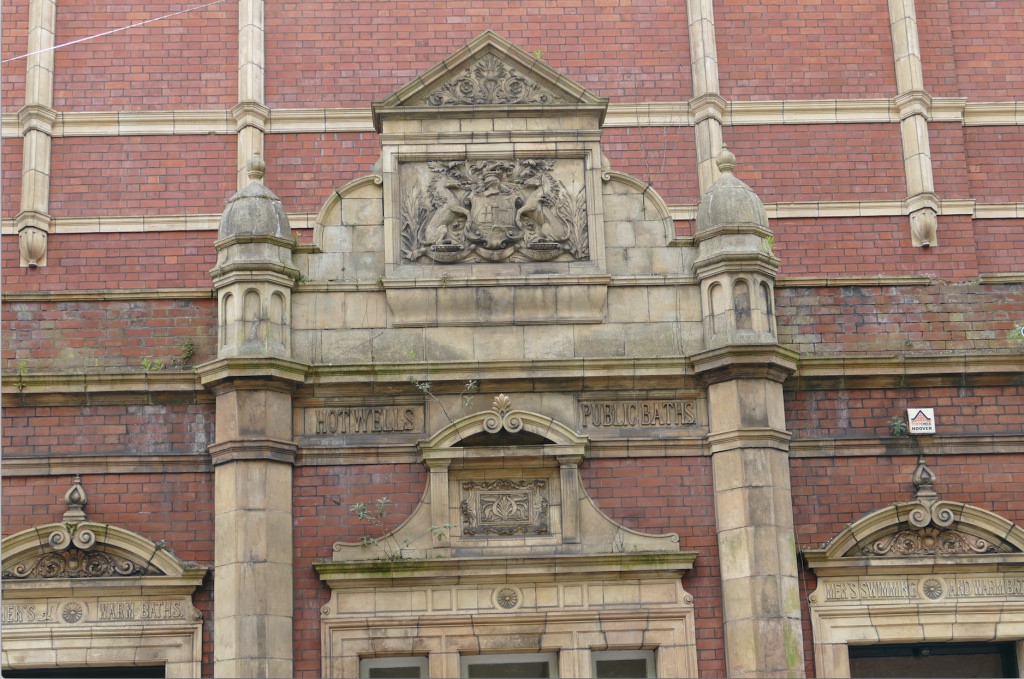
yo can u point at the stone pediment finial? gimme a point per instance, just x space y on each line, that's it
76 499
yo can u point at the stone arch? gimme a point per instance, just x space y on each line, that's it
660 207
330 211
880 532
511 421
741 304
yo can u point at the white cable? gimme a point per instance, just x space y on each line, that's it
116 30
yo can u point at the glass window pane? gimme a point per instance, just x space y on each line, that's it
511 666
623 664
393 668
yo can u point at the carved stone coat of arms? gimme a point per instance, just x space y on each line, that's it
493 210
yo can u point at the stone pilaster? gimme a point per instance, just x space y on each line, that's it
754 509
37 118
250 113
253 458
914 106
707 105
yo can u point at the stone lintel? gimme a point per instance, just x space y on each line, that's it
267 449
252 372
765 438
758 361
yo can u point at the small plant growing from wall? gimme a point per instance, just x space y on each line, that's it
375 516
1016 335
152 364
897 426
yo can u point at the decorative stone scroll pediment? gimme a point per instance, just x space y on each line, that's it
926 528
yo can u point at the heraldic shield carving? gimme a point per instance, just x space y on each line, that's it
517 210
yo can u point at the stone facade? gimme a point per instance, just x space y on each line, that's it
538 375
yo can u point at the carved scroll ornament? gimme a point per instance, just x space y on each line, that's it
927 542
73 556
490 81
504 507
493 211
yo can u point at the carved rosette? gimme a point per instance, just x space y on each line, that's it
492 211
490 81
928 542
504 507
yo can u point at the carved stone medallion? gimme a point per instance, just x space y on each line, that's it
75 563
493 211
504 507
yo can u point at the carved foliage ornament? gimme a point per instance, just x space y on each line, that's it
74 557
490 81
493 211
504 507
927 542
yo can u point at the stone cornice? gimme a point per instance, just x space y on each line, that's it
53 296
341 574
639 114
987 444
145 388
895 371
749 437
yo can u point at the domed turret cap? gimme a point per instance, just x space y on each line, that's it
730 202
255 210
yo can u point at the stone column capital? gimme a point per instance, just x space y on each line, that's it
252 373
250 114
709 105
37 117
752 361
268 450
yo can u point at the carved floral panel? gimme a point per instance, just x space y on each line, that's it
522 210
504 507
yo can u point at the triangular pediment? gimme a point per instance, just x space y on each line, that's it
489 72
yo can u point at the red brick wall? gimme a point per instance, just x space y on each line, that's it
189 61
989 51
107 336
938 60
995 166
856 413
115 261
819 162
811 49
949 160
880 320
660 495
322 497
665 157
1000 245
13 43
10 169
175 507
305 169
353 53
41 431
870 246
140 175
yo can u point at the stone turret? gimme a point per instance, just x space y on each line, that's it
735 264
254 276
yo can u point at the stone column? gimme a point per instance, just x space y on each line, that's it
914 104
707 105
37 118
251 114
253 458
754 509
